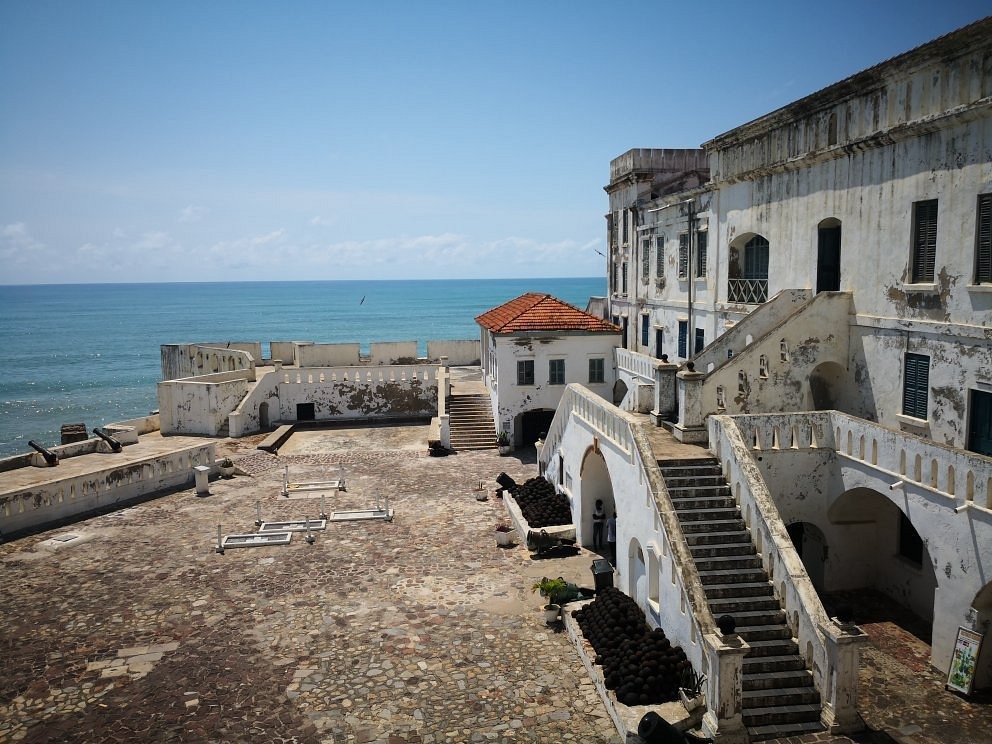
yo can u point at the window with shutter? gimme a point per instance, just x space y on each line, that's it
659 243
916 386
701 253
645 331
924 240
983 241
683 255
683 338
645 259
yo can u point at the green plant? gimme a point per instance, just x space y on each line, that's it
226 463
503 439
692 682
553 589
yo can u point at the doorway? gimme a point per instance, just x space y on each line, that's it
828 256
305 412
811 545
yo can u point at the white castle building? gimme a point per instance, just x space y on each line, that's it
823 274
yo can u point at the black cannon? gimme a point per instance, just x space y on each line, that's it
50 457
543 543
114 444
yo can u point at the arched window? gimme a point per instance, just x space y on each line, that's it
748 271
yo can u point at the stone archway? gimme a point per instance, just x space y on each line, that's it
826 383
594 484
878 547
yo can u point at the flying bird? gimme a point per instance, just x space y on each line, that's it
363 300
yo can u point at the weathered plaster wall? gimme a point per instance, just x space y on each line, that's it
772 374
357 392
845 486
460 353
393 352
638 524
63 498
284 351
576 349
197 406
190 360
327 355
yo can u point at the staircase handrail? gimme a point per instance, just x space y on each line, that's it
765 319
637 364
805 614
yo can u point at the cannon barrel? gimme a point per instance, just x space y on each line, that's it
50 457
114 444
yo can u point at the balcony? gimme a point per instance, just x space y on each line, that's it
747 291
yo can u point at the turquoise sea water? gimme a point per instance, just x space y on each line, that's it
90 352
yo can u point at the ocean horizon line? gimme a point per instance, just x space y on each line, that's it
304 281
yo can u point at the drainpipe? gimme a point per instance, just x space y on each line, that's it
691 276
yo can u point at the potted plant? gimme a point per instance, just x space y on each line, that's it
504 534
691 688
504 444
226 467
554 590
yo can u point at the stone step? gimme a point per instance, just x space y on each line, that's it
717 538
733 576
762 632
745 592
707 515
773 680
780 731
689 492
690 503
732 605
771 664
688 462
717 525
755 618
726 562
679 481
729 549
781 714
775 647
780 696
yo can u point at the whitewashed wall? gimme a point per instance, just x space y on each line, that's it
512 399
73 496
460 353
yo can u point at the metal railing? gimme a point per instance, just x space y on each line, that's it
747 291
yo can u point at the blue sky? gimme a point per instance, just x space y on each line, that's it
224 141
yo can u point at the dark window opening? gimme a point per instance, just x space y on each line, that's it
924 240
525 372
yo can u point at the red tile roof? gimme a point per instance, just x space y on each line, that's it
541 312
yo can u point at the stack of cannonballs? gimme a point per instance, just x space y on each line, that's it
640 665
541 505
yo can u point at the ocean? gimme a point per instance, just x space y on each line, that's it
89 353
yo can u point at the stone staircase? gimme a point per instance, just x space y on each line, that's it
779 699
471 420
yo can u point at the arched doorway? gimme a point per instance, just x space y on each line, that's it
982 605
878 547
595 484
531 426
825 385
828 256
263 416
811 545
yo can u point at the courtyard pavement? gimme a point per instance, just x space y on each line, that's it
416 630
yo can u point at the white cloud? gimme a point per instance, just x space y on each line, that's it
318 220
192 213
18 245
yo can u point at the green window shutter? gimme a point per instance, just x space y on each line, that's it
924 240
983 247
916 386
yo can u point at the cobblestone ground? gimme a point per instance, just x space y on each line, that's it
418 630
